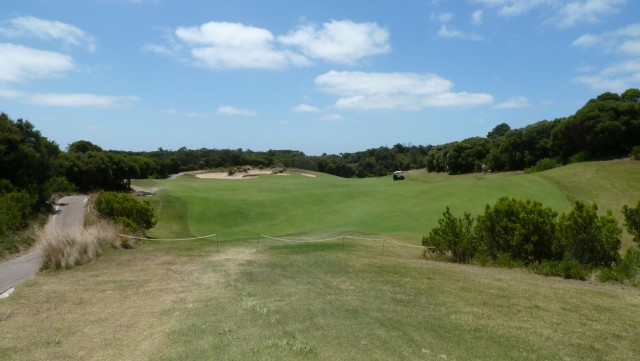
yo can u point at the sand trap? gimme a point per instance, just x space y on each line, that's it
237 176
244 175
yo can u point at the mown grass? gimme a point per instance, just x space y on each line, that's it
296 204
318 301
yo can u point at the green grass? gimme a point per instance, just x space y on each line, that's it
280 205
274 300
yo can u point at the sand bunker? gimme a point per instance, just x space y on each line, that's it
245 175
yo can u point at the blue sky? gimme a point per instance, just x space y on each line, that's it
317 76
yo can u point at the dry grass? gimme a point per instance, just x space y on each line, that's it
67 248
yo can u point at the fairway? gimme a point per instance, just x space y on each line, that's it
349 298
292 205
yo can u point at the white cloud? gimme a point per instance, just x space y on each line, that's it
234 45
476 17
587 41
29 26
514 103
589 11
229 110
68 100
19 63
446 32
224 45
514 7
561 13
616 77
343 42
406 91
333 117
304 108
79 100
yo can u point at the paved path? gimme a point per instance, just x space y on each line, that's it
69 214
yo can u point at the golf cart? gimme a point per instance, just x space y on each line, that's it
397 175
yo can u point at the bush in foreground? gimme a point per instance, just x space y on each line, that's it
125 209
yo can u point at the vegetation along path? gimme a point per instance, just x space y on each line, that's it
69 215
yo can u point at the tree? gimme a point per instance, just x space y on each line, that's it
524 230
632 221
584 236
454 236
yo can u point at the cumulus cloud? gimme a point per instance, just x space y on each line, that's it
229 110
339 41
304 108
514 103
234 45
20 63
224 45
29 26
406 91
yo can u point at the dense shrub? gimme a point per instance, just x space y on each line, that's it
542 165
635 152
125 209
453 236
584 236
570 269
60 186
632 221
15 209
627 269
524 230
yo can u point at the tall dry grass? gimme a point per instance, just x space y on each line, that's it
66 248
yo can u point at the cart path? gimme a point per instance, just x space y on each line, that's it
69 214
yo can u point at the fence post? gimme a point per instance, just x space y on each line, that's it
342 243
217 244
383 247
258 243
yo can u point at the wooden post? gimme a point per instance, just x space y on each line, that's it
217 244
342 243
383 247
258 243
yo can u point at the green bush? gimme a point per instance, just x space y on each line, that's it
453 236
125 209
542 165
635 152
59 186
585 237
569 269
632 221
579 157
524 230
627 269
15 210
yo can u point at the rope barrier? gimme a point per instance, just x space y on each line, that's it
167 239
342 237
292 241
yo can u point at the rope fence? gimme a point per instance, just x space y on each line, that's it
174 239
343 238
290 241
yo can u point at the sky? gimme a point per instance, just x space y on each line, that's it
316 76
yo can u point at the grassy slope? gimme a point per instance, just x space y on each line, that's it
181 301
